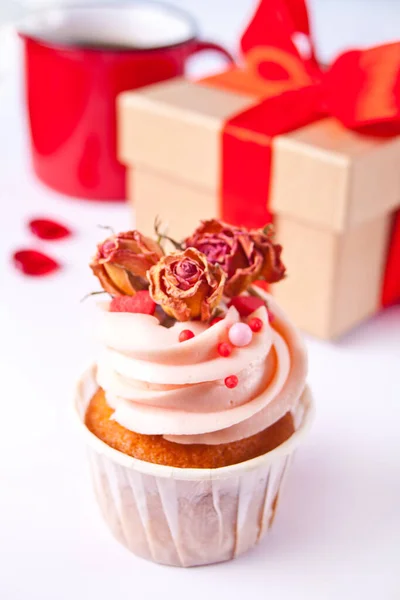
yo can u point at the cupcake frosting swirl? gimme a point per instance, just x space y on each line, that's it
158 386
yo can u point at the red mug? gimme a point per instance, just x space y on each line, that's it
77 61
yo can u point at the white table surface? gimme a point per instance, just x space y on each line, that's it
337 534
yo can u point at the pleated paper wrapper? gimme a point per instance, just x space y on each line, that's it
187 517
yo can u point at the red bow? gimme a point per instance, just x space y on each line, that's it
361 88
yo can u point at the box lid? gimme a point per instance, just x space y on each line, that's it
334 178
174 127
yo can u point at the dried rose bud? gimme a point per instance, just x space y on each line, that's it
122 261
244 255
186 285
273 269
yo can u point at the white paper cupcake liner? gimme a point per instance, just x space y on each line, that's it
187 517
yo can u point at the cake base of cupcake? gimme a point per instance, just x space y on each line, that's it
155 449
187 516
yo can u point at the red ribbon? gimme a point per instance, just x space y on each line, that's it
361 89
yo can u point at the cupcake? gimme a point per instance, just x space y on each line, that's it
198 397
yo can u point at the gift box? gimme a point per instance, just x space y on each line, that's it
317 152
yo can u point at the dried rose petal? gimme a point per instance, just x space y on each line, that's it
122 261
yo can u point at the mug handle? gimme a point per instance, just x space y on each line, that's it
201 46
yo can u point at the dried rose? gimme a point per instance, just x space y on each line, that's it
186 285
273 269
122 261
244 255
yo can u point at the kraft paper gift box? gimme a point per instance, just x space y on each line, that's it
333 193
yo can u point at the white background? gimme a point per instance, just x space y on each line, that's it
337 534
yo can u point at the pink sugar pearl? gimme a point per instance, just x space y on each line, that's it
240 334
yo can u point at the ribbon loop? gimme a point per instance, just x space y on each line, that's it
275 24
268 56
362 87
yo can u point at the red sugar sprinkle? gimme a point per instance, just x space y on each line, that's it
256 324
224 349
231 381
185 335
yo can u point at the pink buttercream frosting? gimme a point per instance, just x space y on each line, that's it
157 385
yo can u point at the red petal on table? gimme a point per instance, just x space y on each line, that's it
34 263
46 229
